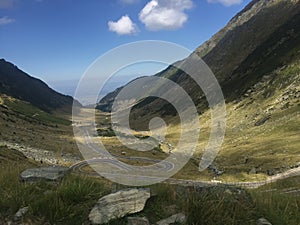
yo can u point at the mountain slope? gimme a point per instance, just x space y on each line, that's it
16 83
256 59
237 48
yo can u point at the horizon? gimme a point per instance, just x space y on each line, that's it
60 49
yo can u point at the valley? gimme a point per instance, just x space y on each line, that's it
65 163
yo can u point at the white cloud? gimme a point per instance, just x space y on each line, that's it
165 14
226 2
129 1
123 26
5 20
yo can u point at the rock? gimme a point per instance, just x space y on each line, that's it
252 171
137 221
177 218
263 221
21 212
119 204
44 173
227 191
262 121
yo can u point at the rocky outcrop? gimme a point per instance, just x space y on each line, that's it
44 173
137 221
263 221
19 215
177 218
118 205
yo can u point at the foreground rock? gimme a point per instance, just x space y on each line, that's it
263 221
177 218
19 215
44 173
137 221
118 205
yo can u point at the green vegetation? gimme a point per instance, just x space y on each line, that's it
109 132
24 124
18 84
279 201
68 202
29 111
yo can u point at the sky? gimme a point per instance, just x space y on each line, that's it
57 40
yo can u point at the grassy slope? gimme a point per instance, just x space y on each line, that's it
70 201
271 147
67 202
278 202
22 123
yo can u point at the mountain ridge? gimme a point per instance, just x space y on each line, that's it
229 49
20 85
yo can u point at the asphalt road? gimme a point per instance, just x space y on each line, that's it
167 166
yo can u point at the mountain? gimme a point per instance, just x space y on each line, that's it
264 36
256 59
17 84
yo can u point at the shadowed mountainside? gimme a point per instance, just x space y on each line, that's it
17 84
258 40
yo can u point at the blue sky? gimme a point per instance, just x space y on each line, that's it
57 40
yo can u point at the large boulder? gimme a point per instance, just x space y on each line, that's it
118 205
44 173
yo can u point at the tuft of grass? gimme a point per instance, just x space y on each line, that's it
69 202
219 206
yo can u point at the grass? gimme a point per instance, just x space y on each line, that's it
202 206
29 111
68 202
26 125
279 207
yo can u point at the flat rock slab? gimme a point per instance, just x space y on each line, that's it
263 221
177 218
118 205
44 173
137 221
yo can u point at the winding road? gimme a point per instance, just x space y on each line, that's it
164 166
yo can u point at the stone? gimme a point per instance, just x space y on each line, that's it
262 121
177 218
252 171
263 221
227 191
118 205
44 173
137 221
21 212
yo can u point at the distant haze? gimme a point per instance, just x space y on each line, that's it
68 87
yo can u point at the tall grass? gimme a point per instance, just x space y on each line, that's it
68 202
276 205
